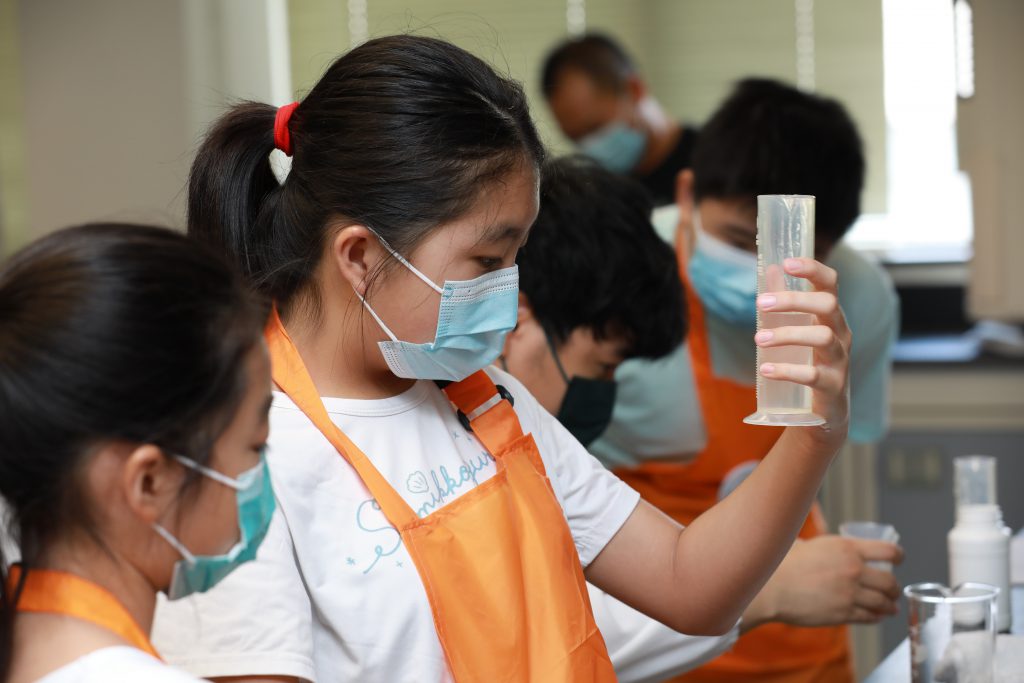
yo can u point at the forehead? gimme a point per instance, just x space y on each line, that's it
583 342
579 104
503 210
739 213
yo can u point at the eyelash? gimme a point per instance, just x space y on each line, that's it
489 263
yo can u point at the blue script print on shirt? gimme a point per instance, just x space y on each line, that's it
365 510
445 485
440 484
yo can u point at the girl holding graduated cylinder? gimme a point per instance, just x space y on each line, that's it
435 523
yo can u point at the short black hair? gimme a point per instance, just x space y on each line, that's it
597 55
770 138
593 260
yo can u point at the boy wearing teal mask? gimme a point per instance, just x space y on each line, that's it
598 286
767 138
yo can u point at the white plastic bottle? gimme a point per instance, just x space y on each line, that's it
979 544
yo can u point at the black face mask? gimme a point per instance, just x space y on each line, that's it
586 410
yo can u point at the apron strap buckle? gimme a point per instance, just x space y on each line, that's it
502 395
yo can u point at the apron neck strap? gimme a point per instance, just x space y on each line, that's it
486 409
56 592
291 375
696 337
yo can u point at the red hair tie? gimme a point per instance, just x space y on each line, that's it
282 138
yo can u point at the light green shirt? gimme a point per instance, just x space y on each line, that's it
657 414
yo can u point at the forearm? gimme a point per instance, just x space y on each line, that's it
701 579
750 531
761 610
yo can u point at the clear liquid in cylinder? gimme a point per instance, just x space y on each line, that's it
776 396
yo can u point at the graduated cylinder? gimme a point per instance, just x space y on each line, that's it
785 229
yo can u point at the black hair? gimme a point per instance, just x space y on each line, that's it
770 138
109 333
597 55
593 260
401 134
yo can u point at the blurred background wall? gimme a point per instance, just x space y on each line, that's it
102 104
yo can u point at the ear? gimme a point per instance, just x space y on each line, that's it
151 482
524 317
636 88
357 253
684 191
525 310
686 206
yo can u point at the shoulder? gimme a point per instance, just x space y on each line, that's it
118 664
866 291
859 274
526 406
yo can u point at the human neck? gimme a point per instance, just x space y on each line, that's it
663 135
118 576
340 352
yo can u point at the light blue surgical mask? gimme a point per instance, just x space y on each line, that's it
472 322
255 498
616 146
725 278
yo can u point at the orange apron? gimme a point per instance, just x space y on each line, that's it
56 592
773 653
500 569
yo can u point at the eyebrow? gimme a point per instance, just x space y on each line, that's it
503 233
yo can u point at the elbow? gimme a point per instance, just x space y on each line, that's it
713 625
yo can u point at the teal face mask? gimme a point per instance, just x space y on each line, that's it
617 147
472 322
725 278
255 498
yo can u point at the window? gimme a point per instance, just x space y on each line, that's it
928 216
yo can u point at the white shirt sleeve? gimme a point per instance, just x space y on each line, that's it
644 650
596 503
118 664
257 621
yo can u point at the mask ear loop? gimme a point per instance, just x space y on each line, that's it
415 271
212 474
373 313
401 259
554 354
175 543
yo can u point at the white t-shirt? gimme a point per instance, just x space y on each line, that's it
646 651
118 664
333 594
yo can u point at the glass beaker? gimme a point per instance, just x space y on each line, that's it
785 229
952 632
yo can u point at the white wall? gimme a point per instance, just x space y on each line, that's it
104 126
115 95
690 51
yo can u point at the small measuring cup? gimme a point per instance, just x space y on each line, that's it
872 531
